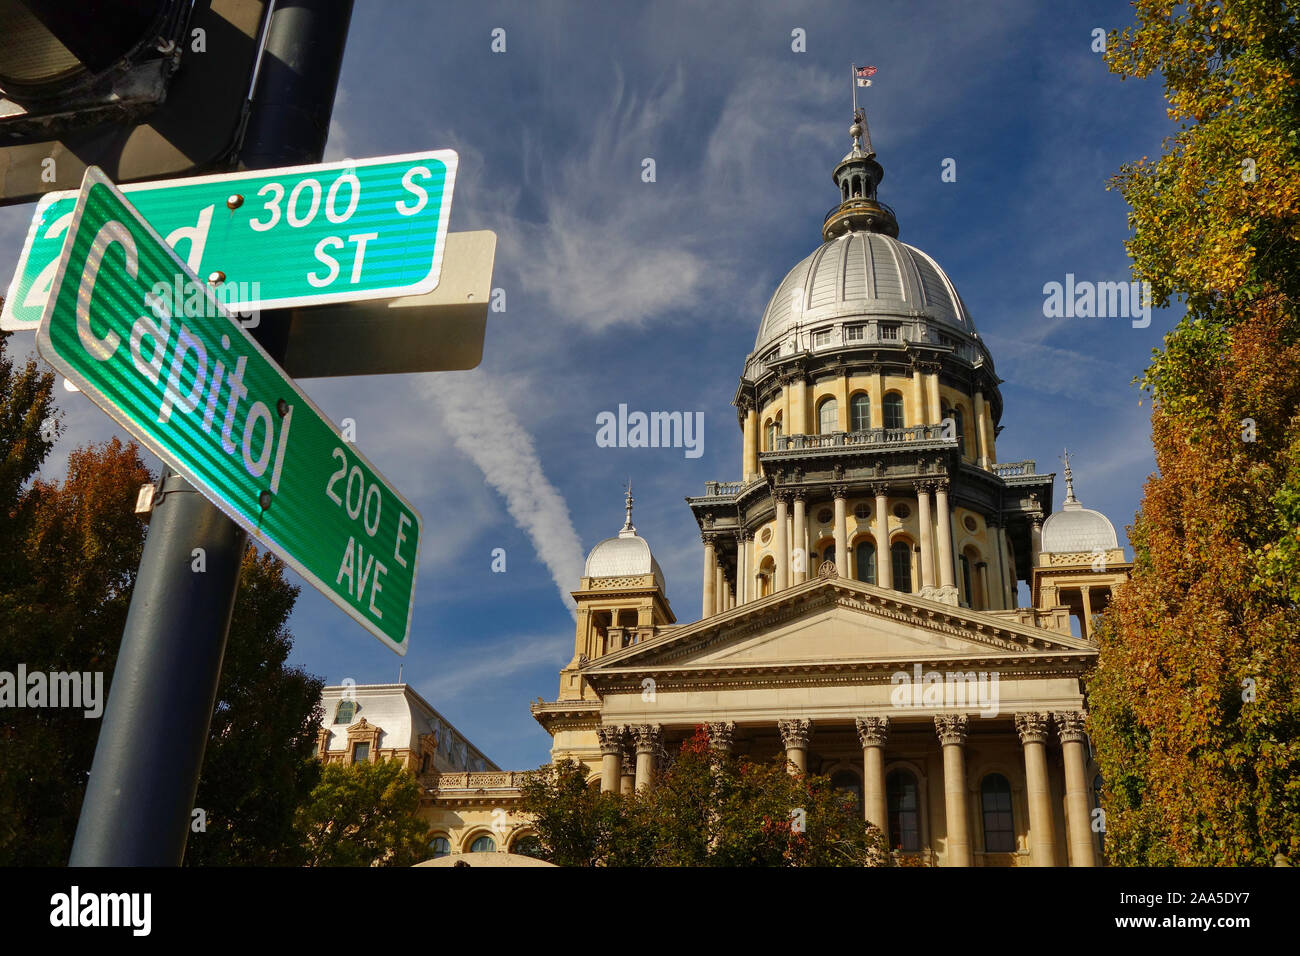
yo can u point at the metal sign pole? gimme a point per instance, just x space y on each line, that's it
140 795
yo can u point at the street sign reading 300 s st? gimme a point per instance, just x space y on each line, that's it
303 235
147 341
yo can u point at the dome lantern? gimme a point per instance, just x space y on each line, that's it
856 176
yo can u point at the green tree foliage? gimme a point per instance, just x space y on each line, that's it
1194 704
364 814
69 552
705 809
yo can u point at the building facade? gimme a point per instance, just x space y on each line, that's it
860 583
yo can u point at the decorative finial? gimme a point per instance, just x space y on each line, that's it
629 530
1069 479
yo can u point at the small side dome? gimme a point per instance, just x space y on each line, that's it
1076 528
626 555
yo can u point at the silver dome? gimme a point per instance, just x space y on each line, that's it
868 274
1077 528
623 556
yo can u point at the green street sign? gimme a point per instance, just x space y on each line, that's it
136 330
303 235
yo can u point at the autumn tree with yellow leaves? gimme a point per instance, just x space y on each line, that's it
1194 706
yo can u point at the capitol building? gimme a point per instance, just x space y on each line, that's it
859 588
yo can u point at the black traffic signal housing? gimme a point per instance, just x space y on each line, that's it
144 89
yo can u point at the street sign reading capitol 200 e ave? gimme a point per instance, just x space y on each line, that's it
190 382
302 235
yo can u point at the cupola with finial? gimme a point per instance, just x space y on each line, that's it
857 176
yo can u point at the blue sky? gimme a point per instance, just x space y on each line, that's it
650 294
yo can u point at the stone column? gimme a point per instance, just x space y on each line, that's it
611 756
710 576
719 586
1078 802
782 542
841 530
722 735
927 532
877 396
884 560
990 436
946 579
842 401
872 733
800 540
981 438
1087 611
627 782
749 467
794 736
742 569
932 392
647 737
951 729
918 398
798 389
1035 537
1042 831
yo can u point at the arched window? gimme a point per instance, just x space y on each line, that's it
995 801
829 555
828 417
484 844
347 709
860 409
864 557
847 783
771 436
901 555
965 579
961 430
439 847
904 811
893 410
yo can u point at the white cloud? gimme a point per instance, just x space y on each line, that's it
495 664
479 419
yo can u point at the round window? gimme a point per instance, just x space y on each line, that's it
766 536
824 516
970 523
862 512
901 511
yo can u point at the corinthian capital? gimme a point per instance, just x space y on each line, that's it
722 735
647 737
951 728
1033 728
873 731
611 738
795 733
1069 725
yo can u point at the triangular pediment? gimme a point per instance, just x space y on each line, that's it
839 621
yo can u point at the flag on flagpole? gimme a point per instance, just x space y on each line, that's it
864 74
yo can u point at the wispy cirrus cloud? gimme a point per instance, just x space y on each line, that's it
484 428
